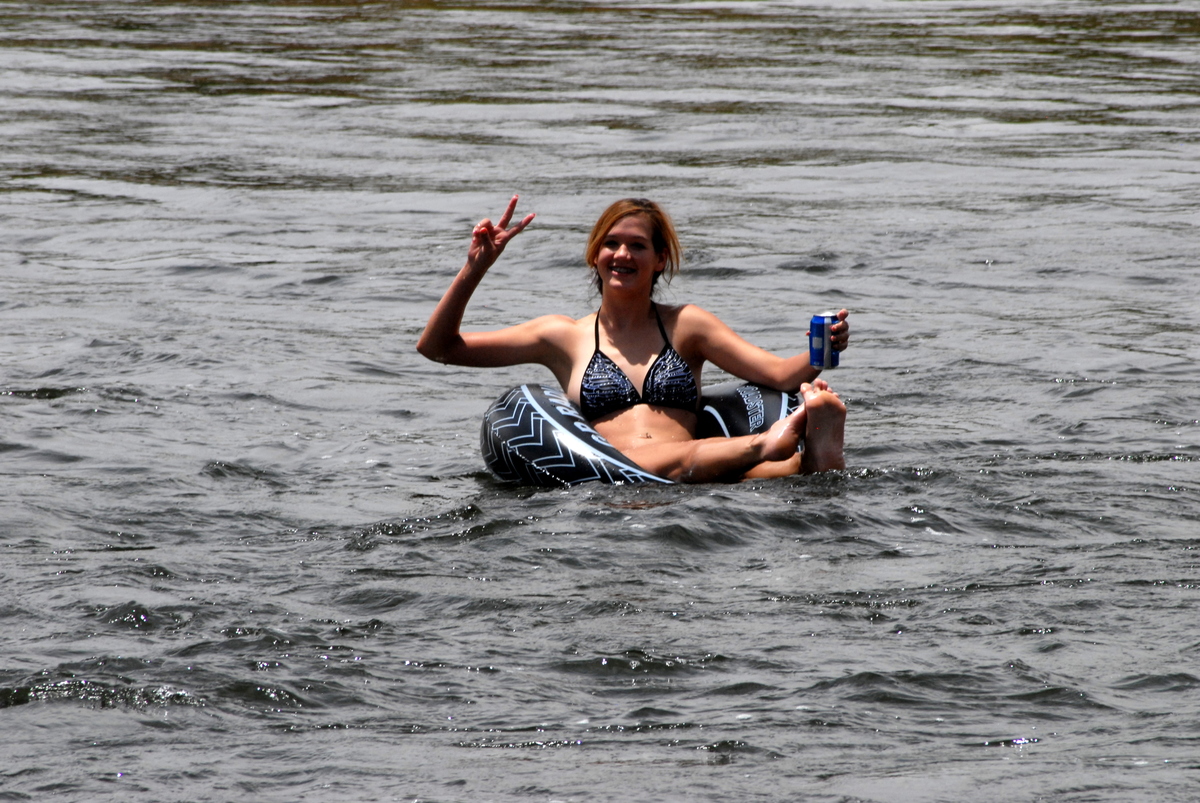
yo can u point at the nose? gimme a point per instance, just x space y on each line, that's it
622 251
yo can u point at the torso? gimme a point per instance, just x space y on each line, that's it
605 388
635 356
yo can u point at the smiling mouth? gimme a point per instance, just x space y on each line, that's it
623 269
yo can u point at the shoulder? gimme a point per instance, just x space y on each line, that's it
682 313
694 331
551 323
688 320
559 329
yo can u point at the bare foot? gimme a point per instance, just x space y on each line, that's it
781 441
825 432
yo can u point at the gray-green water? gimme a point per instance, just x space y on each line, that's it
248 549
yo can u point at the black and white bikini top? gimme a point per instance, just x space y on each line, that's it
606 389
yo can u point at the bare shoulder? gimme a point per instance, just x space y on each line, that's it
554 328
688 320
553 322
691 313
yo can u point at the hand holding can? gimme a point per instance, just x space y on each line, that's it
820 341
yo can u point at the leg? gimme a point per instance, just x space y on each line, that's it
723 459
774 469
824 434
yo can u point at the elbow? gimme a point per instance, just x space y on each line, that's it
429 351
439 350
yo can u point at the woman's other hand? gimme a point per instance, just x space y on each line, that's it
839 333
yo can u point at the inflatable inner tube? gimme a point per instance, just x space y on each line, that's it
534 435
732 409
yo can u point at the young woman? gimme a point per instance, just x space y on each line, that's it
632 343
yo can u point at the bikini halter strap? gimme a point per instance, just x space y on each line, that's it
661 329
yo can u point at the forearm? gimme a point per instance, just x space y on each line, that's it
806 373
795 371
441 338
720 345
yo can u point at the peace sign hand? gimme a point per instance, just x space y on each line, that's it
488 240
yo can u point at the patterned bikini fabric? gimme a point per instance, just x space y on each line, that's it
606 389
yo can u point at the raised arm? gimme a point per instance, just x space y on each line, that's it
724 348
441 340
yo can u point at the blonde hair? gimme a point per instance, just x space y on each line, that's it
662 234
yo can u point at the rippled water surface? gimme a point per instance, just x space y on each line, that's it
249 547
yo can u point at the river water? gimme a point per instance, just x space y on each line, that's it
248 546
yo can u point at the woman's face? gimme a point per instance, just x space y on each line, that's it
627 259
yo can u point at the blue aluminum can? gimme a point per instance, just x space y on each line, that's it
820 349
